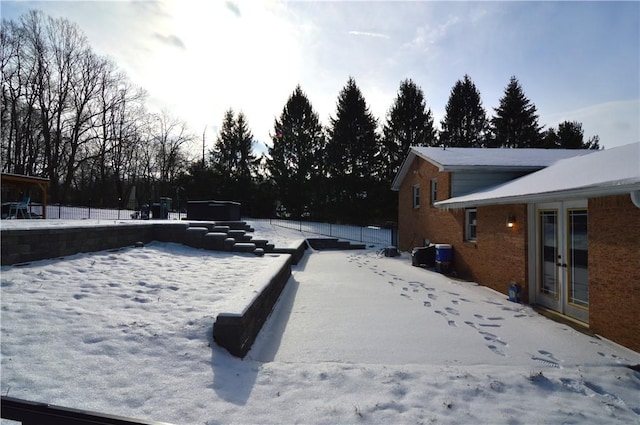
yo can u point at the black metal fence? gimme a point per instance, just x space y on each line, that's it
380 235
387 235
67 212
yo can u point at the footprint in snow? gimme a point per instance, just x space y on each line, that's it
496 350
490 339
432 297
452 311
427 304
452 323
478 316
546 358
455 302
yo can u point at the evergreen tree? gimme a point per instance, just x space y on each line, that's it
549 140
409 123
247 160
352 151
296 156
353 142
515 124
233 160
568 136
465 122
224 153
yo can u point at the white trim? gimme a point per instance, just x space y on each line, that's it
467 225
580 193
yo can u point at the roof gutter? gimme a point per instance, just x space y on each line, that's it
584 192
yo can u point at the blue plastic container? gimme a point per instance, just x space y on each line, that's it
514 293
444 253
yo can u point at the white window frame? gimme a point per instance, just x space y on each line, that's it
416 196
470 224
434 190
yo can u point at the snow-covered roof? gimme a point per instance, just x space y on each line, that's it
606 172
483 159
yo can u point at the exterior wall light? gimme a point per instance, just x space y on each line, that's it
511 221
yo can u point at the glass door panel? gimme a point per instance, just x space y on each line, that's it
549 253
562 263
578 256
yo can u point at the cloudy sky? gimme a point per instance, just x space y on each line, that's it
197 58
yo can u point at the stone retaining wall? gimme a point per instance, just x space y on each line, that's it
25 245
236 331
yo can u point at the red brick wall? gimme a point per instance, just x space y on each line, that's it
614 269
499 255
414 225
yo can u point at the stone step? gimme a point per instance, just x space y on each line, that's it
221 229
239 235
244 247
193 236
214 241
208 224
235 225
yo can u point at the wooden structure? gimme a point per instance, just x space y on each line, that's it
23 184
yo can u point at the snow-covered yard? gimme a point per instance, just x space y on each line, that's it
355 338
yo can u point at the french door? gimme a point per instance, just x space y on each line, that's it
562 258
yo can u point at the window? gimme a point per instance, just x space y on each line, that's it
434 190
416 196
470 225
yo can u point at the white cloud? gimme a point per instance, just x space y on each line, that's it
368 34
429 35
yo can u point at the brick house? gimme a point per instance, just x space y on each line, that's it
562 224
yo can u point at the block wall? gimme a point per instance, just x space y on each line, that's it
21 246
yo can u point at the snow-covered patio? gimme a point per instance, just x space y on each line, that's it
355 338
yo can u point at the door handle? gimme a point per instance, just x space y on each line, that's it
561 265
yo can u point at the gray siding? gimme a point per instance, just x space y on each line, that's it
465 182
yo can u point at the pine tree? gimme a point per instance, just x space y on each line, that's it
247 160
295 162
409 123
515 124
224 152
352 152
233 160
569 136
353 141
465 122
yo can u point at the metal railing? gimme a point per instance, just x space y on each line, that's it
67 212
366 234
